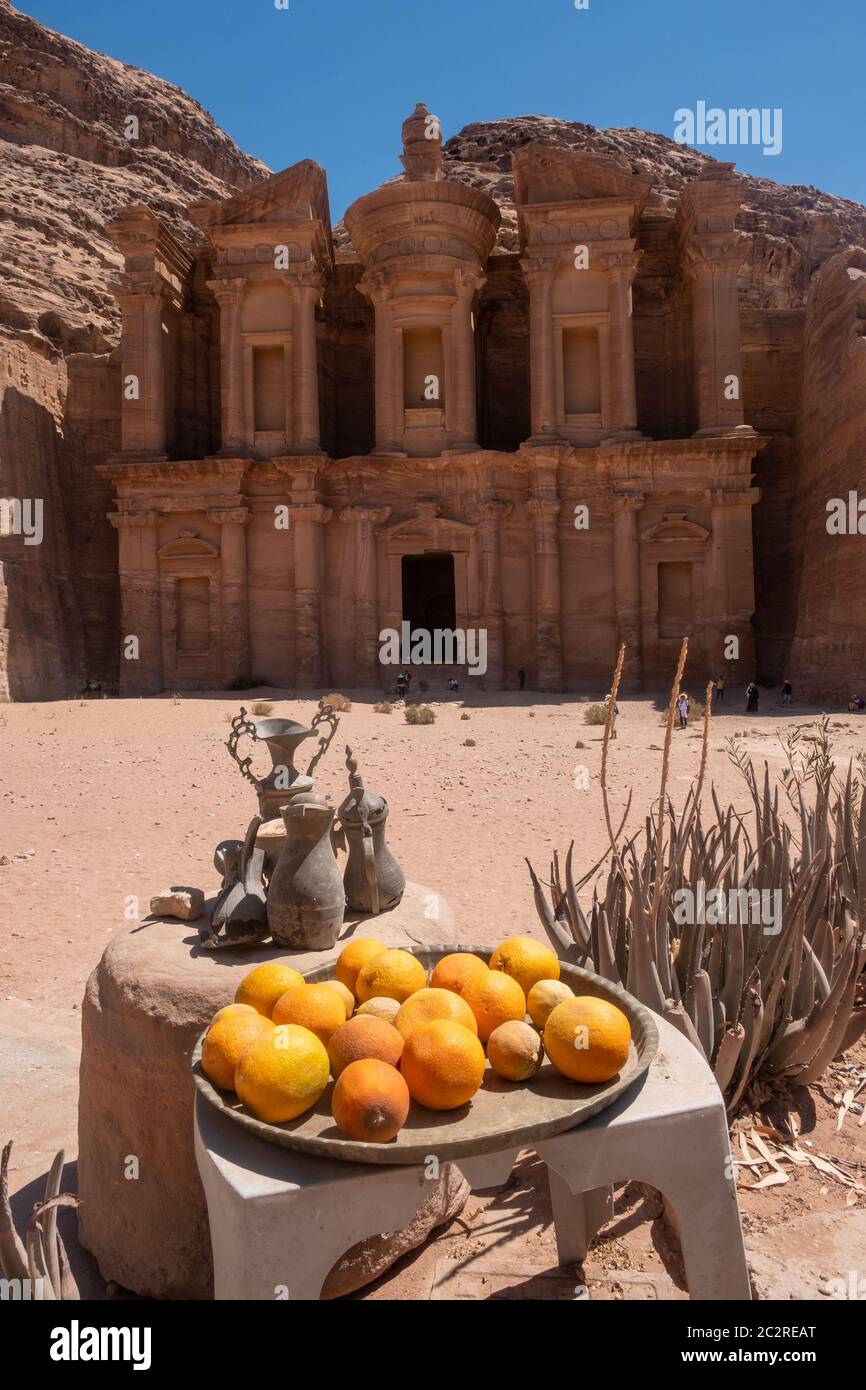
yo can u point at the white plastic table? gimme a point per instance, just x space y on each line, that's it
280 1220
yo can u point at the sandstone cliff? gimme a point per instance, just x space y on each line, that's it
67 168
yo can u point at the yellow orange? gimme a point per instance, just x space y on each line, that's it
345 994
587 1039
427 1004
311 1006
353 957
443 1063
230 1034
283 1074
361 1037
380 1008
494 998
514 1051
264 985
455 970
543 998
233 1008
526 961
393 973
370 1101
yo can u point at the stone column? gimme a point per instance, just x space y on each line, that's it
730 583
464 431
307 521
143 401
539 278
548 609
622 402
490 517
389 390
234 601
626 562
364 519
712 268
138 568
305 368
229 295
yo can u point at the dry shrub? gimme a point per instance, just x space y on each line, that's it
595 714
420 714
340 704
261 708
383 707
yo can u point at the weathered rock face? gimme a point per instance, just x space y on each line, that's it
67 168
828 659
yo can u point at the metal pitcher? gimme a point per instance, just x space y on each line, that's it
373 880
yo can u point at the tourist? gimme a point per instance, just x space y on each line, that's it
787 693
402 684
752 698
720 690
683 709
856 703
521 676
453 684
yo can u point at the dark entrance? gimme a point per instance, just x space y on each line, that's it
428 592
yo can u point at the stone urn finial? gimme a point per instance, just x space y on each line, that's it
422 145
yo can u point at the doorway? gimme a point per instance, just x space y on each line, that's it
429 600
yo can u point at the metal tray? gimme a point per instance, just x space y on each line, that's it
500 1114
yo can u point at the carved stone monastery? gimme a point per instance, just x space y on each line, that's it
320 442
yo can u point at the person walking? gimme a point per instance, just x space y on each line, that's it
720 690
752 698
521 678
613 716
787 693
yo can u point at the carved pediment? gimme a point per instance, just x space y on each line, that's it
297 197
188 545
675 526
543 174
425 524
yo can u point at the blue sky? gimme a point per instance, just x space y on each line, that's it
333 79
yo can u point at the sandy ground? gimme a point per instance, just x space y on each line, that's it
107 802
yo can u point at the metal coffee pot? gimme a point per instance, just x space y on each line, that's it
373 880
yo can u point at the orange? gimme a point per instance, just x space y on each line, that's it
362 1037
353 957
494 998
345 994
370 1101
380 1008
454 971
587 1039
232 1031
543 998
393 973
317 1007
514 1051
526 961
264 985
443 1064
426 1004
283 1074
233 1008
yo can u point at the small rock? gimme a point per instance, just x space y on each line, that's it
4 860
464 715
185 903
469 743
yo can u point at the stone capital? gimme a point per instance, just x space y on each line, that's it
712 254
468 281
538 273
227 292
492 511
732 496
543 507
365 515
628 501
143 518
310 512
238 516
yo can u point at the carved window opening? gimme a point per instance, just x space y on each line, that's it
193 615
269 389
676 599
581 371
423 369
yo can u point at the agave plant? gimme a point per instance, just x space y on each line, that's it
778 998
41 1264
